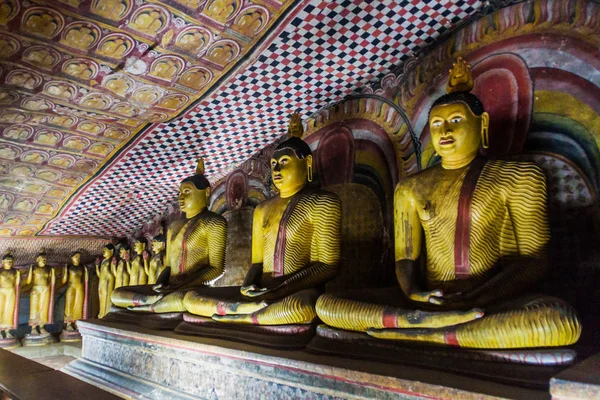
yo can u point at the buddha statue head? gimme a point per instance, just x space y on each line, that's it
194 192
41 259
8 260
291 163
76 258
108 251
139 246
458 121
124 250
158 244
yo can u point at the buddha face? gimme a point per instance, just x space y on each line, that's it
289 173
123 253
7 263
76 259
139 247
107 253
157 246
41 260
456 131
191 199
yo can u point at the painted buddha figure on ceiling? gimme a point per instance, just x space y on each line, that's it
296 242
486 233
195 253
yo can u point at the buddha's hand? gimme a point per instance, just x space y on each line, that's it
253 291
145 255
97 261
432 297
127 257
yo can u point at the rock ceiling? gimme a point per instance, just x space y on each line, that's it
106 104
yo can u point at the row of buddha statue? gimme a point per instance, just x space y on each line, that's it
471 239
40 281
480 225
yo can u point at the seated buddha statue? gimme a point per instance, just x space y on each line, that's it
295 251
195 253
486 233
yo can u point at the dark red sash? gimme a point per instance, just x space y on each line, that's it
462 269
281 235
184 249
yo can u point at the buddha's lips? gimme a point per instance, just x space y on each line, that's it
446 141
277 178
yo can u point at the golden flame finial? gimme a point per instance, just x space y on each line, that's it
295 128
200 166
460 79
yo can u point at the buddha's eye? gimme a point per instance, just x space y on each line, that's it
436 123
456 120
283 162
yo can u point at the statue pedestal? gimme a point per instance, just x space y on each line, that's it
138 362
579 382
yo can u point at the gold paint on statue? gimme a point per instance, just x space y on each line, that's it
157 262
75 276
43 279
488 264
107 279
295 248
195 252
10 279
120 270
137 272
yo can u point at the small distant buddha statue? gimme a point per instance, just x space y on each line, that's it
486 234
106 284
149 22
41 298
296 243
195 253
137 272
122 267
10 280
157 262
75 276
220 10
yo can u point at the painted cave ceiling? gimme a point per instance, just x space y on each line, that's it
105 105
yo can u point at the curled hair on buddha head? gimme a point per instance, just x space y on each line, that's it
8 256
142 240
295 143
472 101
159 238
110 247
198 180
75 252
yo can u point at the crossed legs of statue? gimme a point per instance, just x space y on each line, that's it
222 304
536 321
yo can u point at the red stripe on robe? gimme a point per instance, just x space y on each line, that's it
462 269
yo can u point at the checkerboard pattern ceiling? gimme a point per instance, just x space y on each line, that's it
324 51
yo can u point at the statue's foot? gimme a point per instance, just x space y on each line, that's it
245 307
42 331
234 319
426 319
410 335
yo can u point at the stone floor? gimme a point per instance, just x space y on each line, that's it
54 356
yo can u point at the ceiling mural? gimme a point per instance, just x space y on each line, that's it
81 78
320 53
